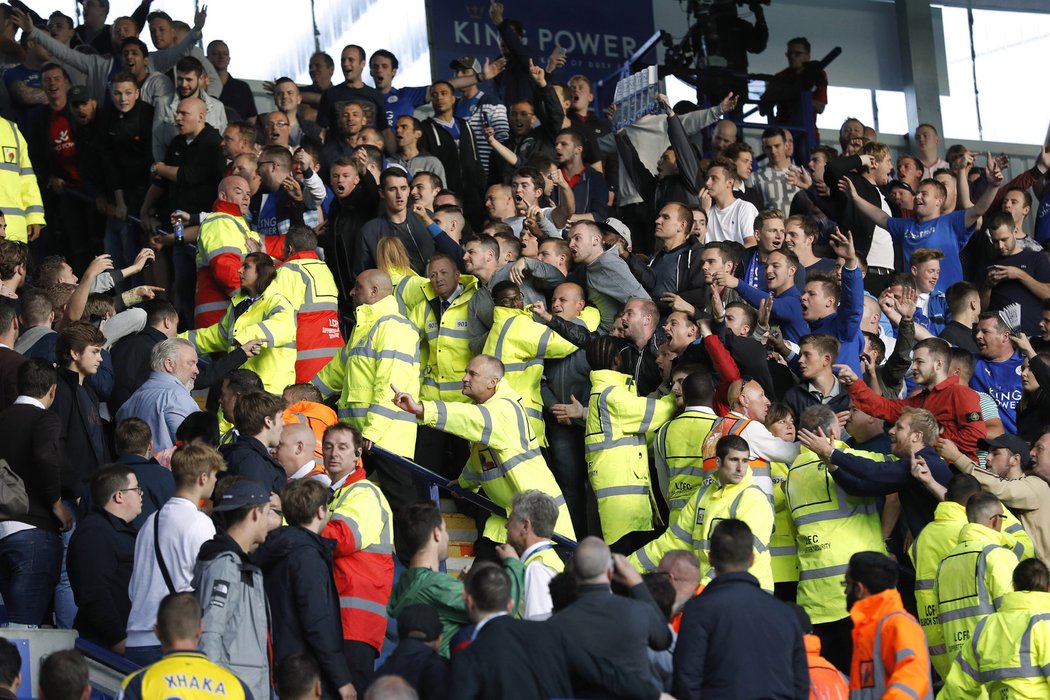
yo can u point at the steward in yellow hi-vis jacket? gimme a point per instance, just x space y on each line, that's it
383 350
442 315
615 444
307 281
22 206
257 311
831 526
1009 653
934 543
505 458
972 580
733 494
522 345
222 245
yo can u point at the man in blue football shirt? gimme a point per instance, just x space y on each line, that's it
929 229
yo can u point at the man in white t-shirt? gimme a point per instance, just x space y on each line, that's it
728 218
167 546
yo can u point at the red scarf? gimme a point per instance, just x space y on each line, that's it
224 207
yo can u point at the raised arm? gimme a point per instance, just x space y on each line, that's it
867 208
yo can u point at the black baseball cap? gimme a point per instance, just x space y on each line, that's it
466 63
1011 442
79 95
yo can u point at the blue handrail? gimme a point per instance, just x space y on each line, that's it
436 481
105 656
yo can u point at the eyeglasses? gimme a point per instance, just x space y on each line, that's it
137 489
997 516
279 124
267 162
277 511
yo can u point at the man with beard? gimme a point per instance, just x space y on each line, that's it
188 72
164 401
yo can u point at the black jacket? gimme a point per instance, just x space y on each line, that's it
845 211
131 364
346 217
129 141
29 441
462 164
82 441
100 559
737 641
619 632
423 668
418 242
640 364
248 458
512 658
304 605
689 278
201 164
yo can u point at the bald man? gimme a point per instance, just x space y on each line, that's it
296 454
382 351
568 379
619 630
222 243
725 134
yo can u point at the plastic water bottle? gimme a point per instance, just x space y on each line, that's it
178 232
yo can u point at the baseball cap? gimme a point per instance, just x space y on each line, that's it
466 63
79 95
419 622
244 492
620 228
1011 442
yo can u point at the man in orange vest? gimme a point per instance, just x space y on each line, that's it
748 406
825 681
890 658
305 406
683 571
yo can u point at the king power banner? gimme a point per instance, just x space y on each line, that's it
596 35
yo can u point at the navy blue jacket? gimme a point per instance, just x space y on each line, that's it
100 557
860 476
844 324
158 485
81 438
248 458
304 605
422 667
737 641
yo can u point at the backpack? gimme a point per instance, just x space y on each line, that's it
14 502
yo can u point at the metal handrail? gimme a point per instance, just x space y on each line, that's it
105 656
436 481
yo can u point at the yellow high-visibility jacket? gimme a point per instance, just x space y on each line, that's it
19 192
932 545
522 345
971 582
270 317
383 350
617 457
676 450
505 457
448 341
830 525
711 504
1008 654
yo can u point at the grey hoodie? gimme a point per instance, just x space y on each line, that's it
235 612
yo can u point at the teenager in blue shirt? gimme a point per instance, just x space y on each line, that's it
837 310
779 275
929 229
